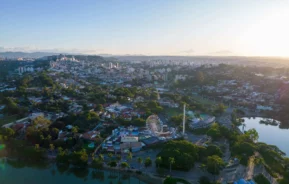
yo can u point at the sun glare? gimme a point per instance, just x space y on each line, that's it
269 36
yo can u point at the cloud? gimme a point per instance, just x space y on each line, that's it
54 50
222 53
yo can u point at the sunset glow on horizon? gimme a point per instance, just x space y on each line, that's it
163 27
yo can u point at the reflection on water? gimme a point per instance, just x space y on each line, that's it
16 172
2 164
269 134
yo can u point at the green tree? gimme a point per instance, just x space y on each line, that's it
213 150
59 149
51 148
221 108
177 120
112 164
158 161
124 165
129 157
139 122
139 160
74 130
97 163
36 147
171 161
148 162
41 121
99 107
7 132
184 152
253 134
79 158
62 156
214 131
214 164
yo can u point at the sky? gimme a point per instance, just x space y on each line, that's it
148 27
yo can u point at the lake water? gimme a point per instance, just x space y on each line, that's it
16 174
269 134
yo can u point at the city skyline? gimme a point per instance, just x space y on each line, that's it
188 28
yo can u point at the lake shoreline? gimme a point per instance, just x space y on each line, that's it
269 134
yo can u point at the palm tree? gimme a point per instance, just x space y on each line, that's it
139 160
171 161
129 156
158 161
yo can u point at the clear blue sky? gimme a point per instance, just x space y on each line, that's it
153 27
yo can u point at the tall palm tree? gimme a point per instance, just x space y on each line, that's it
171 161
158 161
51 147
129 156
139 160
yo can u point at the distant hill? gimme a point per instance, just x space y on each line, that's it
25 54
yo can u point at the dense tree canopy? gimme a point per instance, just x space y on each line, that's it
184 153
214 164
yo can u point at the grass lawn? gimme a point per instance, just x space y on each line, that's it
7 119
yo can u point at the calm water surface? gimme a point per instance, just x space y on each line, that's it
52 175
269 134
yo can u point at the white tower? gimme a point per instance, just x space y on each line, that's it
184 120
